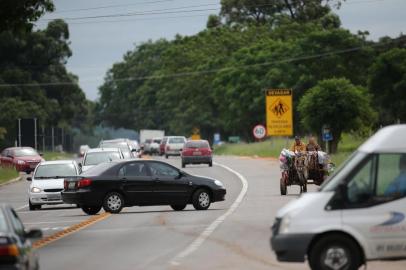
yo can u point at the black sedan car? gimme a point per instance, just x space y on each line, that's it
15 243
118 184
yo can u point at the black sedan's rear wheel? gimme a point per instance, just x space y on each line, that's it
178 207
113 202
91 210
201 199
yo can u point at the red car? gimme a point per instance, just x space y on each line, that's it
24 159
162 146
197 152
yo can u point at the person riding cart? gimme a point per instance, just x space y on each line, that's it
298 145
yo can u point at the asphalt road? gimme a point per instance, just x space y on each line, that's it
233 234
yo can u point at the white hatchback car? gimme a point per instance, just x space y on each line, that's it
96 156
47 182
174 145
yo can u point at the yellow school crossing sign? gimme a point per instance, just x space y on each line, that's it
279 112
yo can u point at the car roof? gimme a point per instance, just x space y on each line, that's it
22 147
104 149
390 139
53 162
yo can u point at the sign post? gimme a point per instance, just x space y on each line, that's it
327 137
259 132
279 112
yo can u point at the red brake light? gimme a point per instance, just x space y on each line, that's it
9 250
85 182
65 184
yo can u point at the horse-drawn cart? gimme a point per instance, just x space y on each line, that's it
300 167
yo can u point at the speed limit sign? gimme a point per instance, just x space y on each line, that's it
259 132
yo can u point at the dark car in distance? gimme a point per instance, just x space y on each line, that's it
16 250
197 152
119 184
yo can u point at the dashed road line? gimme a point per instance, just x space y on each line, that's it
210 229
70 230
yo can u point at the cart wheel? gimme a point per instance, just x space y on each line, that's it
283 187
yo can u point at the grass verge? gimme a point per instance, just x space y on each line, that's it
7 174
57 155
272 148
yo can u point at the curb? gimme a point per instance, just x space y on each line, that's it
19 178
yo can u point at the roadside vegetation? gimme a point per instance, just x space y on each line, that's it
7 174
272 148
57 156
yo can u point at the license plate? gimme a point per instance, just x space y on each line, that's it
72 185
197 153
54 197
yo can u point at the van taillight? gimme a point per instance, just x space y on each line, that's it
9 250
85 182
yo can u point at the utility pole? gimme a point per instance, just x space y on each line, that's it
53 139
19 132
43 139
35 133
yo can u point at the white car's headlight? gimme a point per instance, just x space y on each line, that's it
285 224
20 162
35 190
218 183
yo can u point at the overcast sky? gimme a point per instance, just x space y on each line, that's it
97 43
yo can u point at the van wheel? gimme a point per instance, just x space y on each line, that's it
283 187
91 210
178 207
335 252
183 165
113 202
211 164
201 199
166 156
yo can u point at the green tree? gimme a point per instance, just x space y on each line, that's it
18 16
339 104
387 83
268 11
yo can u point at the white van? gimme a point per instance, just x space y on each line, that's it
358 215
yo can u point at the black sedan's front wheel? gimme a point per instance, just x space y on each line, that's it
178 207
91 210
113 202
201 199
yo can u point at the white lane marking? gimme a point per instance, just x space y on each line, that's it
54 228
22 207
50 222
210 229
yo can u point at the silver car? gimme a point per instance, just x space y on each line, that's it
47 182
96 156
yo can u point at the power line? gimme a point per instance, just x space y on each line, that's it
110 6
143 13
210 71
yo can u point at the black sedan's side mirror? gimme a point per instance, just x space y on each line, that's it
33 234
29 178
41 154
80 165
